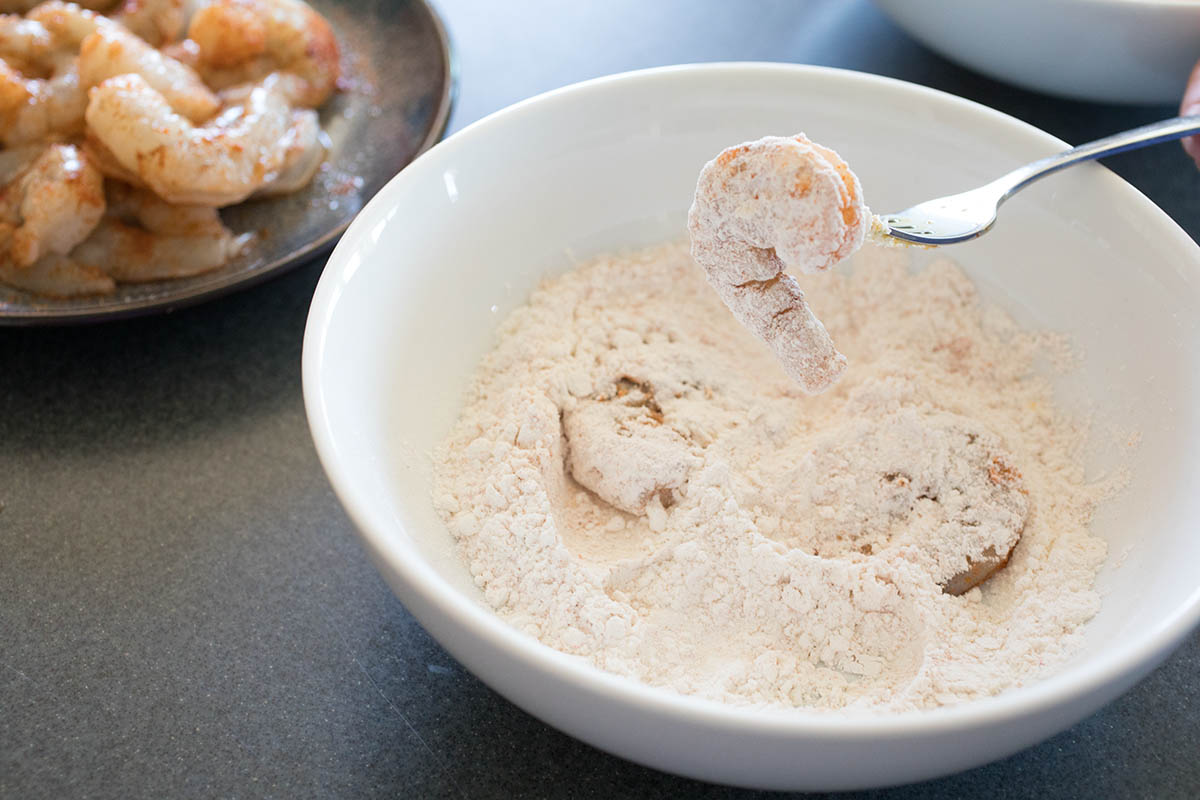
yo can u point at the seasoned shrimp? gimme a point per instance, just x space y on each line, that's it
24 42
243 41
15 160
40 93
56 275
33 109
765 206
51 205
144 208
132 255
304 147
21 6
144 238
115 153
217 164
111 51
159 22
68 23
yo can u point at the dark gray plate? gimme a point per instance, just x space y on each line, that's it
395 105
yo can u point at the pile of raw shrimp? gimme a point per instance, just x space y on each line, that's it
124 132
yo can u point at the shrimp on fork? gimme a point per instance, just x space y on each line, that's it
760 208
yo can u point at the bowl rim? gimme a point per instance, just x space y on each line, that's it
1132 658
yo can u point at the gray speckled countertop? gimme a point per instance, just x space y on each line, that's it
185 609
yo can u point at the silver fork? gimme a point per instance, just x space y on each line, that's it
959 217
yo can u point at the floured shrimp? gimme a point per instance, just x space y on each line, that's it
243 41
111 51
51 205
620 447
143 238
933 487
770 205
220 163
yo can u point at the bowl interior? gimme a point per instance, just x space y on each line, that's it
413 294
1121 51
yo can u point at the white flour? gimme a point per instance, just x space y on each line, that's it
742 541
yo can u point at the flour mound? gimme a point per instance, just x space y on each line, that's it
636 481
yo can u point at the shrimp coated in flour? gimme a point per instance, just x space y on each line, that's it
243 41
220 163
763 207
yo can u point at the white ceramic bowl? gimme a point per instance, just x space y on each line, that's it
1120 51
412 295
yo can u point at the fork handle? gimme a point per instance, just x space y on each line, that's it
1155 132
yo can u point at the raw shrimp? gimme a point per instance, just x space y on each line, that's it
35 109
133 255
111 51
305 146
21 6
40 92
243 41
765 206
52 205
15 160
68 23
145 239
142 207
159 22
217 164
56 275
24 42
